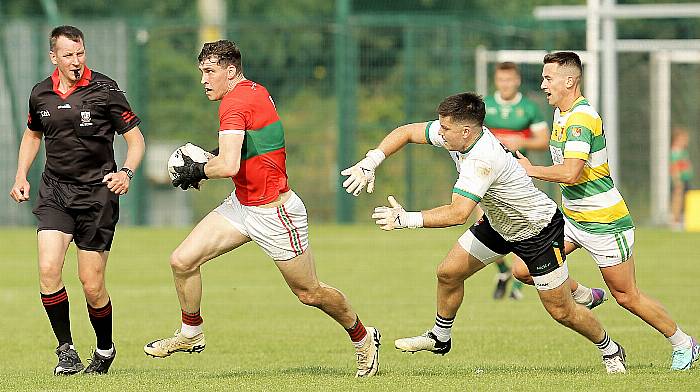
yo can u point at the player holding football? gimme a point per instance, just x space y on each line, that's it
262 208
519 218
597 218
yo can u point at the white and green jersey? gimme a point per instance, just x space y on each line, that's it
489 174
593 203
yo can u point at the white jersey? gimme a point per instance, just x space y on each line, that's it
489 174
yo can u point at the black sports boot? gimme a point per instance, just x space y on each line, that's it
68 361
99 364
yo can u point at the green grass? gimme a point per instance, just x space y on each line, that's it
259 337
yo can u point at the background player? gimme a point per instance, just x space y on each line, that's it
681 174
517 122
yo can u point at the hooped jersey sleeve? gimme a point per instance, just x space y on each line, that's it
475 178
431 134
579 136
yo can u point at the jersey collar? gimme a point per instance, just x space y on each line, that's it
84 81
499 100
581 100
473 144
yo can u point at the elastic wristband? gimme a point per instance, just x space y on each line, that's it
376 156
415 220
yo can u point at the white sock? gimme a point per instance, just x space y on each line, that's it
607 346
105 353
190 331
442 328
679 339
582 295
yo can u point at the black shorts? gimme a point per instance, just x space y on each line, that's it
542 253
88 212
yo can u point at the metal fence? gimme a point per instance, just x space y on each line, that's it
340 85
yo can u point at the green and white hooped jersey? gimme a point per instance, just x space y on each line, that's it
489 174
593 203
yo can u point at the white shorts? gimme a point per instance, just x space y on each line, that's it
282 232
606 249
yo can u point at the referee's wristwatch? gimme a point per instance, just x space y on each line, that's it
129 172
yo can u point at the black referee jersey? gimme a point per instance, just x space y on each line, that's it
79 126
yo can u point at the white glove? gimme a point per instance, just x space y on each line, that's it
395 217
362 173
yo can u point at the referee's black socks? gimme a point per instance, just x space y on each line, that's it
101 320
57 308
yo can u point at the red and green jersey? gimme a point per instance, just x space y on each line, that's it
262 176
681 168
520 116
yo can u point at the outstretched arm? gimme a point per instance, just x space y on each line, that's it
362 173
395 217
399 137
453 214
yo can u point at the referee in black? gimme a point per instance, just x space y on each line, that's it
77 111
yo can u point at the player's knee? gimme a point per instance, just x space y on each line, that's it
626 299
49 274
180 264
93 289
309 297
562 314
447 276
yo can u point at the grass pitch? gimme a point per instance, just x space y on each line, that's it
259 337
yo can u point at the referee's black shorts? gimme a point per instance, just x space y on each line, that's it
88 212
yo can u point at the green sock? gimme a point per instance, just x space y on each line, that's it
517 284
502 267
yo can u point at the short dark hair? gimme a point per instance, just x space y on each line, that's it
463 107
508 66
226 52
72 33
569 59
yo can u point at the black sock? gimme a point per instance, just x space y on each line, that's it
57 308
101 320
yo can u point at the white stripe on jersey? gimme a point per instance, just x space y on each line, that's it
595 202
232 132
598 158
578 146
516 209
